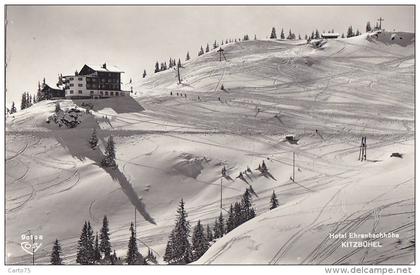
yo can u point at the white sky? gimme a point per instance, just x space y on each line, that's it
43 41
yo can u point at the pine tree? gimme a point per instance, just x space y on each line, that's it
105 244
56 254
300 38
216 229
290 34
246 37
93 141
13 108
350 32
97 253
170 249
179 65
237 214
317 34
274 203
150 258
248 211
207 48
368 27
357 32
23 103
145 74
255 37
273 34
201 52
221 223
109 159
230 222
342 35
157 67
282 34
209 234
215 44
133 254
199 242
85 251
179 248
187 57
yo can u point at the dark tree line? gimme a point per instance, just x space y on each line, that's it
96 249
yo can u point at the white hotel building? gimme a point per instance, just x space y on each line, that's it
94 82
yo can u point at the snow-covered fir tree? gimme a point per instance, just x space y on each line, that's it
207 48
221 223
216 229
317 36
85 249
368 27
201 52
273 34
13 108
274 203
56 254
237 210
199 242
144 74
105 244
230 222
248 212
282 36
209 233
23 102
350 32
215 44
109 158
157 69
93 141
187 57
97 253
133 254
170 249
179 250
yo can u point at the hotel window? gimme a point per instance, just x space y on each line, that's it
80 85
116 93
71 84
80 78
106 93
101 92
80 92
71 78
91 92
112 93
71 91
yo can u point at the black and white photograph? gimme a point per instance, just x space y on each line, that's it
209 135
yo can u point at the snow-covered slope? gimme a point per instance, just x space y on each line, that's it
173 147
